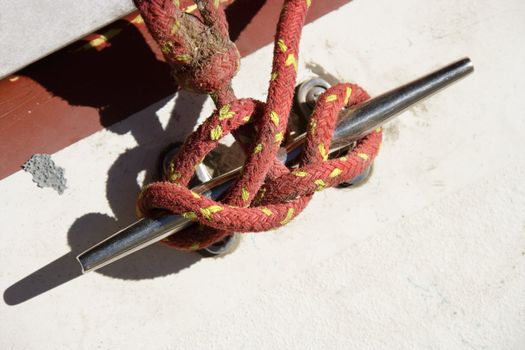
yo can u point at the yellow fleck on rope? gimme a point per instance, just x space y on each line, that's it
174 177
208 212
363 156
258 148
137 20
216 133
245 195
274 117
282 45
175 27
195 195
348 94
225 113
288 216
331 98
190 8
183 58
300 173
320 184
323 151
335 173
313 126
291 60
101 39
267 211
189 215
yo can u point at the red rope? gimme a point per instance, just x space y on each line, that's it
281 194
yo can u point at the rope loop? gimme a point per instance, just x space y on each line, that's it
267 195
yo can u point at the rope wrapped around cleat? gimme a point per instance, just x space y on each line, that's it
267 194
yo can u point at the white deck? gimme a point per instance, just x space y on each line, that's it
31 29
430 254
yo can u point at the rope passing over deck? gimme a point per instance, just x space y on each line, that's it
267 194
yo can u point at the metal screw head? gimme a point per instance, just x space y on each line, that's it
308 93
313 95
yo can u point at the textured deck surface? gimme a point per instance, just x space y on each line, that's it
32 29
430 254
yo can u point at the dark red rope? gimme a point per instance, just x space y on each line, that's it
280 193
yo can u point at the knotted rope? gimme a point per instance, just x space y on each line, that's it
267 194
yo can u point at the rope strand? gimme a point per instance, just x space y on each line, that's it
281 193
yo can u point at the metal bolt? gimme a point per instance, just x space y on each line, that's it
308 93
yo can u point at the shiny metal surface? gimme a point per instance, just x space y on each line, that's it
353 124
147 231
129 240
377 111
